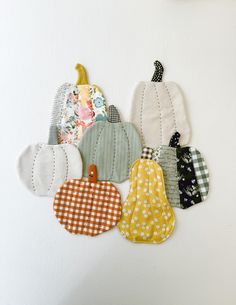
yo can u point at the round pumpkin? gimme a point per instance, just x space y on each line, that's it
43 168
87 207
113 146
76 107
158 111
185 171
147 216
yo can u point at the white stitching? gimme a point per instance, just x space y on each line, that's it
67 162
54 169
33 167
172 106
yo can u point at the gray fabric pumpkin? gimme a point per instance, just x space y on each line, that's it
113 146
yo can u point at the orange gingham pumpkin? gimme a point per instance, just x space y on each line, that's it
87 207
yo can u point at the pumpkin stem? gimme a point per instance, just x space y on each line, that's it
92 173
82 75
147 153
158 73
174 141
113 114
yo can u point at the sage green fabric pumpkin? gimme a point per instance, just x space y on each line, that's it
112 145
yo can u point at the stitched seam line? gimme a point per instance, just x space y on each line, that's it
172 106
141 113
54 169
129 152
159 107
58 104
96 144
67 163
33 168
114 154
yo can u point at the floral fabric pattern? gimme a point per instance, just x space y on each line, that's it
83 105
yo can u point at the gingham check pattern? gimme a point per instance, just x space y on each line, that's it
84 207
113 114
147 153
201 171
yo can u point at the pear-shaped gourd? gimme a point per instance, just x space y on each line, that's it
147 216
113 146
76 107
158 110
185 171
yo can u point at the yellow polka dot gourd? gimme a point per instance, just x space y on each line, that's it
147 216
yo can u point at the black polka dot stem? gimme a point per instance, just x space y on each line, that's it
158 73
174 141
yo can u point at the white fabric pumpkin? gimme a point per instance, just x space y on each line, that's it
158 111
43 168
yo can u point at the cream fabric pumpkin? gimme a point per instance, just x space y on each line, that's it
158 111
43 168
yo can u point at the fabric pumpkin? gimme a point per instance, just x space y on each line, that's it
43 168
185 171
76 107
87 207
147 216
158 111
113 146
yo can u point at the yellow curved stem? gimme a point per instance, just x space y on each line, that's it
82 75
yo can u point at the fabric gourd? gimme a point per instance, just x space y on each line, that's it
113 146
158 111
147 216
76 107
87 207
185 171
43 167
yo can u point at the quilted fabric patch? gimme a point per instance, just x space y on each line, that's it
43 168
76 107
113 146
147 216
185 171
87 207
201 172
158 111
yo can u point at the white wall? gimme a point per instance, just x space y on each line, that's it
118 41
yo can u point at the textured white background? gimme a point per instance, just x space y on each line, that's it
40 42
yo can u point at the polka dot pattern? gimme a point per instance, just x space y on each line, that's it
147 216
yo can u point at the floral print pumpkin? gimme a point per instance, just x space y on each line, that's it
76 107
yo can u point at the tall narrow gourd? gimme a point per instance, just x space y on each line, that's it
76 107
158 110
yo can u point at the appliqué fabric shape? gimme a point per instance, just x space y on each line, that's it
87 207
113 146
76 107
147 216
158 111
185 172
